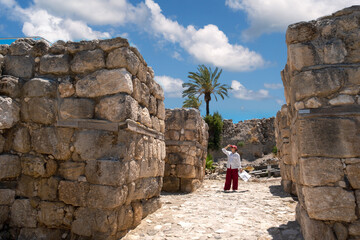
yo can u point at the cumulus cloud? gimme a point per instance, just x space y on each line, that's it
207 45
274 16
273 85
172 86
241 92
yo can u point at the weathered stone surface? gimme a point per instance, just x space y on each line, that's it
37 166
190 185
66 89
353 174
74 193
72 170
117 108
301 55
300 32
186 171
54 64
110 44
9 112
88 61
54 141
10 166
161 110
334 52
21 142
106 197
320 171
340 231
152 105
4 214
19 66
19 48
74 47
105 82
145 188
313 103
125 218
23 214
144 117
123 58
106 172
39 234
75 108
40 48
47 189
2 143
52 214
7 196
342 100
4 49
354 228
330 203
39 110
40 87
10 86
27 186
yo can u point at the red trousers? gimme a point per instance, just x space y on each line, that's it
231 174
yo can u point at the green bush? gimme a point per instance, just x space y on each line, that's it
274 150
241 144
209 162
215 123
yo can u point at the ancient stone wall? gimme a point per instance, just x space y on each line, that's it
322 86
186 138
255 138
81 140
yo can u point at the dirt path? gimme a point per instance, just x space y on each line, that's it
259 210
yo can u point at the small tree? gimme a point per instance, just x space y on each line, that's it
215 123
192 102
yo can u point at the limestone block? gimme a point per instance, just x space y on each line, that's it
144 117
117 108
353 174
52 214
152 105
317 83
287 185
125 217
77 108
54 64
300 32
72 170
93 145
74 193
23 214
330 204
354 228
10 166
313 103
123 58
149 167
357 195
54 141
4 214
9 112
145 188
38 166
155 123
106 172
185 171
157 91
162 126
7 196
66 89
110 44
85 61
47 189
39 87
161 110
58 47
189 185
28 186
19 48
301 55
4 49
320 171
39 234
145 95
106 197
171 184
150 206
10 86
19 66
142 73
334 52
341 231
136 89
40 48
353 75
74 47
105 82
133 172
39 110
21 142
312 229
342 100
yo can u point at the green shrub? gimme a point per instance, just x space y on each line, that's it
215 123
209 162
274 150
241 144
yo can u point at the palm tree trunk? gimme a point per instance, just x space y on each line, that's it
207 108
207 98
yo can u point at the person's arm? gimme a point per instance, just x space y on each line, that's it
239 161
226 151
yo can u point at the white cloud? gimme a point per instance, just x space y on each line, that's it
172 86
239 91
273 85
177 56
280 102
274 16
207 45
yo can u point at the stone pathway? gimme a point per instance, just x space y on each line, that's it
259 211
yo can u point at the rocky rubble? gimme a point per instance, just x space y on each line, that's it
81 140
318 130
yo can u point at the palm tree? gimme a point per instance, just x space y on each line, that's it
192 102
205 82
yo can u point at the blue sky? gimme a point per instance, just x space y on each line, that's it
246 38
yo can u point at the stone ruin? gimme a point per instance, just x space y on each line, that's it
318 131
186 139
81 140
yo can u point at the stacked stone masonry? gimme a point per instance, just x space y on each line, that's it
81 139
318 131
186 138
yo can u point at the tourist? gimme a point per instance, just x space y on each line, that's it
233 166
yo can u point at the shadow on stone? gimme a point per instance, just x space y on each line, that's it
289 231
277 190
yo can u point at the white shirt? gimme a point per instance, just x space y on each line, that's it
233 159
